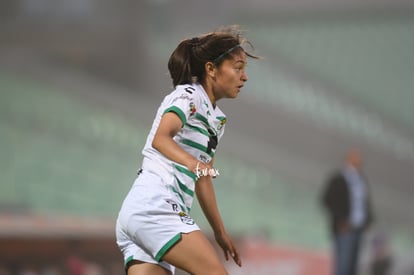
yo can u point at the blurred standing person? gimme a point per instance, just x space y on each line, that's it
154 229
346 199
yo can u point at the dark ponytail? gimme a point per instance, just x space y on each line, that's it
179 64
187 61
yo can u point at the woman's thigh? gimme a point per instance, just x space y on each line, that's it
195 254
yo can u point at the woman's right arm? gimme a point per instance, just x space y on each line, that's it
163 141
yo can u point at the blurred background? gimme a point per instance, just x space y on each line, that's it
80 81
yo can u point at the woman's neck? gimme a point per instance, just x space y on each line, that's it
209 91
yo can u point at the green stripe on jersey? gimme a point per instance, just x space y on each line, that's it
185 189
178 111
198 129
167 246
197 146
203 119
182 200
186 171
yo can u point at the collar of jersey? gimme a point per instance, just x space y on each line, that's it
200 87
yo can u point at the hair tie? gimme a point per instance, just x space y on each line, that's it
195 41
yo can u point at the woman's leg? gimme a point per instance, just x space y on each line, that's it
195 254
141 268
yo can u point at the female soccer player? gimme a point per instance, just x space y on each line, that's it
154 230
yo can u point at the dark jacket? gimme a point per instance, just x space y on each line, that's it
336 200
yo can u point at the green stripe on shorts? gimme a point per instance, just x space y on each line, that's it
130 258
167 246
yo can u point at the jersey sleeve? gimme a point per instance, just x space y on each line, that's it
182 102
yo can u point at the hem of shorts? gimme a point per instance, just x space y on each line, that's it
127 260
167 246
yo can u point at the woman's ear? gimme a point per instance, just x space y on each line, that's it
211 69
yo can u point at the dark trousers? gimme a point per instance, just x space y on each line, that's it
347 246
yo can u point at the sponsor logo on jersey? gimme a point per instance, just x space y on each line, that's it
182 96
204 158
192 108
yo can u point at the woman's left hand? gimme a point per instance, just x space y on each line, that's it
228 248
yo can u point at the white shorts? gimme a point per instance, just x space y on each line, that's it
151 221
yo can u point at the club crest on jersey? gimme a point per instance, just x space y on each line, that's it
223 121
185 218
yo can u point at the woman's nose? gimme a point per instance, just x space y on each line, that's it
244 77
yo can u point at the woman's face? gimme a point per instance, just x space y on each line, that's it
230 77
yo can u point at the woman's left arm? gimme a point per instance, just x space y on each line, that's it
207 199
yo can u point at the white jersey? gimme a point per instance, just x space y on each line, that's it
203 127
